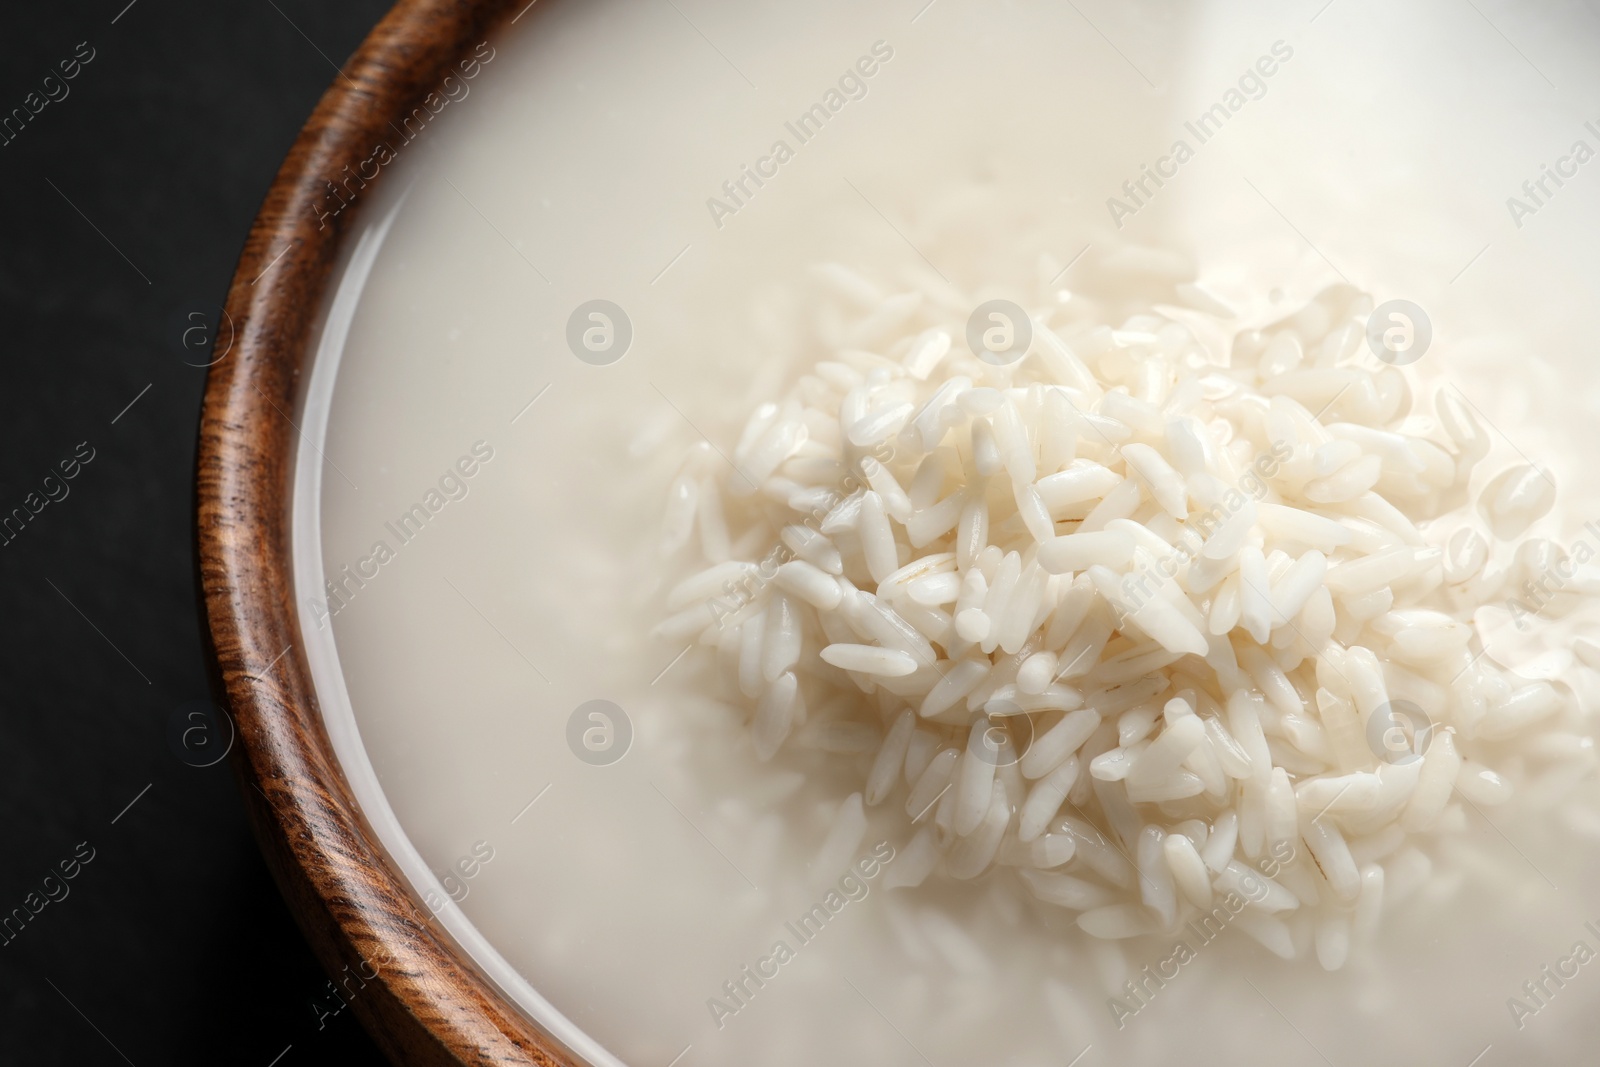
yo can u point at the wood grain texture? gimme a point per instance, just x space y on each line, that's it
412 986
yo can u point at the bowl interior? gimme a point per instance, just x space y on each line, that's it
586 159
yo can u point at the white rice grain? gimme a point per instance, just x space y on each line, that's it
1079 551
1219 846
914 863
975 778
844 839
1164 483
1045 798
1333 939
926 353
1516 499
972 855
810 583
811 546
1161 759
1440 766
932 783
1332 857
1156 885
1294 590
891 757
1255 595
775 715
1188 870
958 681
870 659
1065 891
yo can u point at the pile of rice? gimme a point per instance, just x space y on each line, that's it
1144 625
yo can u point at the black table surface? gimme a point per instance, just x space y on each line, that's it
125 196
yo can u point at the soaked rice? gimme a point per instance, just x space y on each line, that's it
1133 616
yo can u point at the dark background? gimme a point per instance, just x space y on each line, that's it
172 945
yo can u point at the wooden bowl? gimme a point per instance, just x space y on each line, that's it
412 985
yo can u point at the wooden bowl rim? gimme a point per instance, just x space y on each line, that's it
413 986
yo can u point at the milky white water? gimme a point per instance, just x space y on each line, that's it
578 167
